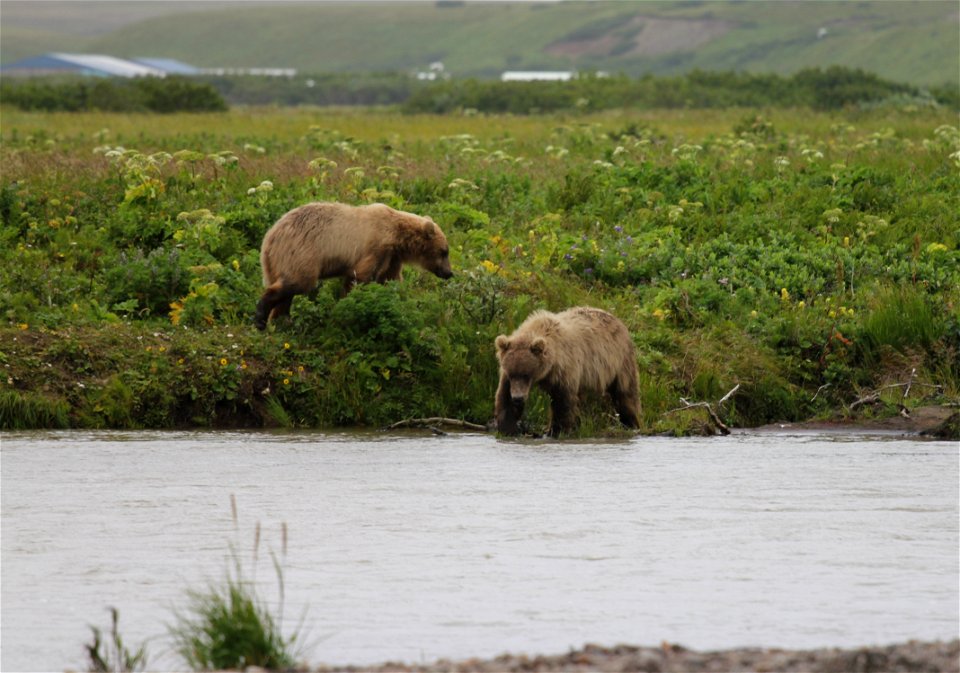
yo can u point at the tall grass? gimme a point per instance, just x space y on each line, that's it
229 626
111 655
902 319
25 411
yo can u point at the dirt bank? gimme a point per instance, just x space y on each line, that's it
913 656
920 420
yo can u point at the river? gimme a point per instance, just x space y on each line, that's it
412 547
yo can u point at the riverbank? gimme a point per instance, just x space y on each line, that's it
938 422
779 266
913 656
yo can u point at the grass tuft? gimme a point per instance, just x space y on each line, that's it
229 626
112 656
26 411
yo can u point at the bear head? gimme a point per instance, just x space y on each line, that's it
523 360
435 253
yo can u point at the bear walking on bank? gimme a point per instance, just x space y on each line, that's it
580 350
360 244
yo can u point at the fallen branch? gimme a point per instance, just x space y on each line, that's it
872 398
820 390
724 430
435 420
728 395
906 391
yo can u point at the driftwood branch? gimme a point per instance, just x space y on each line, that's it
721 426
820 390
873 397
728 395
434 421
906 391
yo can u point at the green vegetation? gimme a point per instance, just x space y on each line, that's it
915 42
229 626
225 626
142 94
112 656
830 89
809 257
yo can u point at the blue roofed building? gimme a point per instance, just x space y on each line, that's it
168 65
95 65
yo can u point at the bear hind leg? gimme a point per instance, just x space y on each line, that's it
282 308
626 401
563 411
275 301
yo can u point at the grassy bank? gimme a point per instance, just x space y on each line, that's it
810 258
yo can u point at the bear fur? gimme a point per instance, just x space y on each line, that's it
567 354
360 244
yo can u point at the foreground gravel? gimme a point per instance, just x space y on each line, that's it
910 657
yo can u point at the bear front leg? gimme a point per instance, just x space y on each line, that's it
563 411
506 412
391 269
364 271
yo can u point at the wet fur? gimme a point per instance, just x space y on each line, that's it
360 244
567 354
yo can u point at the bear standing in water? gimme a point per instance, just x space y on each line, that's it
360 244
580 350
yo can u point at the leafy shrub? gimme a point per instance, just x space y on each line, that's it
153 280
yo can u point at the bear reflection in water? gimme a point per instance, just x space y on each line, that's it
567 354
360 244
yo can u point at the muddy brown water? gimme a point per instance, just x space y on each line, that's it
412 547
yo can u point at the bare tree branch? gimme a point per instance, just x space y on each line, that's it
433 421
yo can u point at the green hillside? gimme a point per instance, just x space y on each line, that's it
916 42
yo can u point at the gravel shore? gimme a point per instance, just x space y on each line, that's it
912 657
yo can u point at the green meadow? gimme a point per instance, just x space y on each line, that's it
901 40
809 258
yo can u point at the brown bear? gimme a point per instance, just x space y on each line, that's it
360 244
577 351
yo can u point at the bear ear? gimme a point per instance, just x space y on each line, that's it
502 343
538 346
430 228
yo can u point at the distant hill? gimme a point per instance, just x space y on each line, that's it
914 42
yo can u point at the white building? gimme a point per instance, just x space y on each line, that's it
537 76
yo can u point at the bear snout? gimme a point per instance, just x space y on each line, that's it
443 270
519 390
